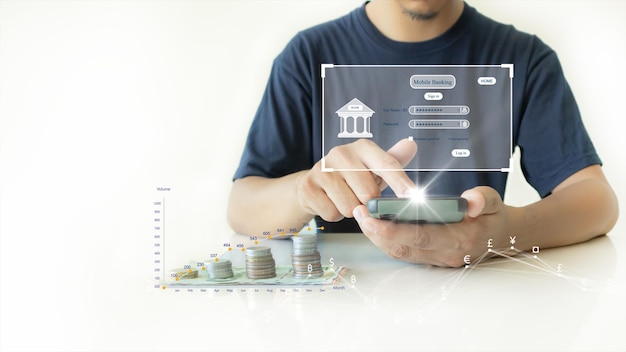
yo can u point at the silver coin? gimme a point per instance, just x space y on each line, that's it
304 238
263 271
264 267
261 274
313 256
219 264
299 266
306 263
305 252
306 267
260 260
262 263
308 275
252 276
258 251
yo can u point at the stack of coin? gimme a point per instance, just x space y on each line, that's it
222 269
305 258
260 263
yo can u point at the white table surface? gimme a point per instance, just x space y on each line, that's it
570 298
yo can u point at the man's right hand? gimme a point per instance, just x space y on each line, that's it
333 195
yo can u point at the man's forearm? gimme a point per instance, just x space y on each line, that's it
574 214
258 205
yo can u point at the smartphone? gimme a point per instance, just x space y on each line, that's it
439 210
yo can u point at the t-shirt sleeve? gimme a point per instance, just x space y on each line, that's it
279 140
553 140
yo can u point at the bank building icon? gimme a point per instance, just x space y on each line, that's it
354 120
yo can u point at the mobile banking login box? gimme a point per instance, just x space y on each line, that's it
459 115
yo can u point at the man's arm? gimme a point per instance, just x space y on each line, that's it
259 204
580 208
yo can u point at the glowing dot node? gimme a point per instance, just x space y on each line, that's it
163 287
203 268
269 237
177 279
489 250
243 249
256 242
190 271
230 249
534 256
512 247
216 260
322 228
308 229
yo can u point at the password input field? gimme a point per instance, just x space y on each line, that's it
425 124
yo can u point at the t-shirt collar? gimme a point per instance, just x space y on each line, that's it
425 47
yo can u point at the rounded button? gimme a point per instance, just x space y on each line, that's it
486 81
460 153
433 96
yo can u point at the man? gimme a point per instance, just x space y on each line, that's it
279 182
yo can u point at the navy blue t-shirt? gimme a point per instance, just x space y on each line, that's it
285 136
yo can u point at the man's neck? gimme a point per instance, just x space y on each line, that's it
396 23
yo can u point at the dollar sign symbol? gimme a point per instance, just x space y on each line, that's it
332 262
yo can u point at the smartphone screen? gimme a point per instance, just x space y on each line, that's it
427 210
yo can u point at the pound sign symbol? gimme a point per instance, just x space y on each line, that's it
490 243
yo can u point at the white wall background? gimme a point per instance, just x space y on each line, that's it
102 101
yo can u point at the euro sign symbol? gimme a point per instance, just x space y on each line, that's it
466 259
